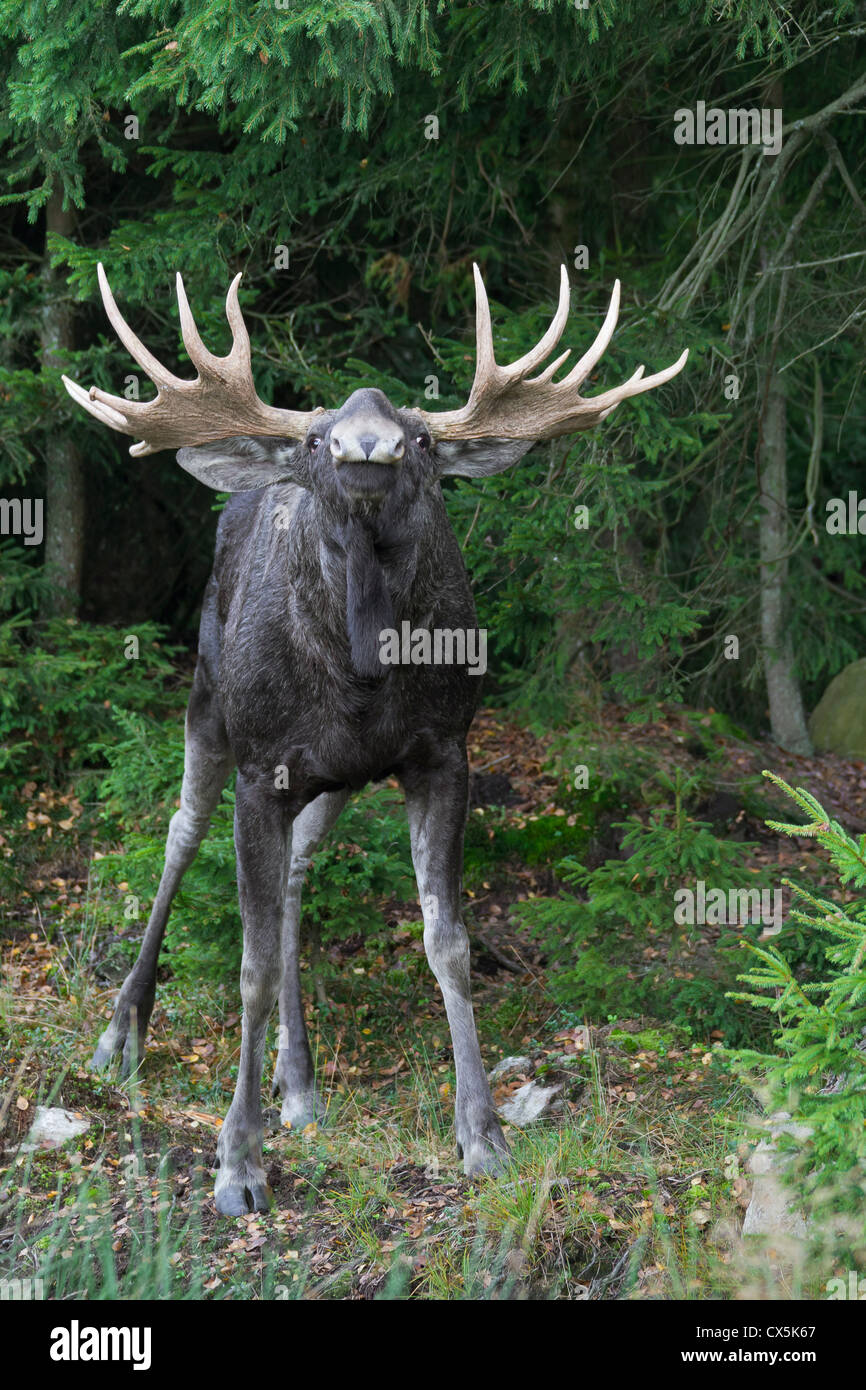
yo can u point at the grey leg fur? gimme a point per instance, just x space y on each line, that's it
294 1075
262 830
207 764
436 803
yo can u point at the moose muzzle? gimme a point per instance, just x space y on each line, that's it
367 441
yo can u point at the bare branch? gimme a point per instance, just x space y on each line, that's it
807 265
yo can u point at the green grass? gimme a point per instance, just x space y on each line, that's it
374 1204
630 1191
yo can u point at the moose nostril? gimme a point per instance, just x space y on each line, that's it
375 448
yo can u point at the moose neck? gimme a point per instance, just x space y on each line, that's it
369 598
370 560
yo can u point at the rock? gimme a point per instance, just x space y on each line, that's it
781 1123
563 1060
528 1103
53 1126
772 1210
838 724
509 1064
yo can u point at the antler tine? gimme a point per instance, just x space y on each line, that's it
485 359
637 384
159 375
240 352
200 356
100 410
506 403
581 370
545 345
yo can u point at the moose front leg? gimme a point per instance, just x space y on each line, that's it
436 804
262 829
207 765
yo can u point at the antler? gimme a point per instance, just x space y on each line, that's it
219 403
506 403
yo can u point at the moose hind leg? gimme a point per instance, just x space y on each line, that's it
207 764
436 803
294 1074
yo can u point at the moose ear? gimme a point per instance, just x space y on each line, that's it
479 458
244 463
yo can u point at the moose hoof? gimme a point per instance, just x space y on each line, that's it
125 1035
113 1046
298 1111
107 1050
485 1153
239 1193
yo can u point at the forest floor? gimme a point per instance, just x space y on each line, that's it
631 1185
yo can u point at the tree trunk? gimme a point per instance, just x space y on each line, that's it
787 717
64 489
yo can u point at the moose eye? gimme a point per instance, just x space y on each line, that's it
423 441
314 441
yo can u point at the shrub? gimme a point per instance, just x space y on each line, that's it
59 682
817 1068
619 951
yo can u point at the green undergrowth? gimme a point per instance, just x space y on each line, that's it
814 1069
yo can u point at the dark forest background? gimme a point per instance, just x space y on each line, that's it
667 598
207 137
